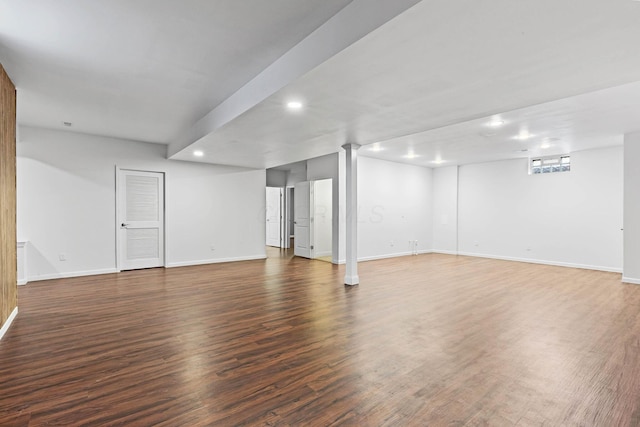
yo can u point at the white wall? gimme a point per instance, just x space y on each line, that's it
276 178
296 175
66 204
631 273
394 207
445 210
571 218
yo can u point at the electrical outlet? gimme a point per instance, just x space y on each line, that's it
391 243
475 243
212 247
62 257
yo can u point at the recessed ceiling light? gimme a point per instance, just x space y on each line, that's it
495 123
438 162
545 145
376 147
523 136
294 105
198 153
411 155
67 124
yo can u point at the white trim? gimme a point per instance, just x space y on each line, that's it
544 262
630 280
444 252
214 261
165 221
117 217
394 255
8 323
22 247
118 171
71 274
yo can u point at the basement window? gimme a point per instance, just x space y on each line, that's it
552 164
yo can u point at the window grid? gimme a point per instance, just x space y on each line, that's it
551 164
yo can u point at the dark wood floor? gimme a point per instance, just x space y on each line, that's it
424 340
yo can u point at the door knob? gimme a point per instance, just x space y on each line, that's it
123 225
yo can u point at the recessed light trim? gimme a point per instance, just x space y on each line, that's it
523 136
294 105
495 123
376 147
198 153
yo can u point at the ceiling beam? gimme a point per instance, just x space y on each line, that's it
355 21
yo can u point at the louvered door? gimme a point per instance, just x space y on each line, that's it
140 219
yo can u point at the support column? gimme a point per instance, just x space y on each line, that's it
351 276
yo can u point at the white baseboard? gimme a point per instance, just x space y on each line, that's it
444 252
70 274
544 262
328 253
22 282
8 323
394 255
214 261
385 256
630 280
113 270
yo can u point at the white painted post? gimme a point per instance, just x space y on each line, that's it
351 276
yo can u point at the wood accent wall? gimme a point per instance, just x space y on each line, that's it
8 263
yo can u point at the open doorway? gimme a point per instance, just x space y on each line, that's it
313 219
307 209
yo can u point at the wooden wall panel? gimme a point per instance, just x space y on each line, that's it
8 266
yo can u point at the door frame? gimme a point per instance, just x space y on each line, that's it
165 241
287 218
280 216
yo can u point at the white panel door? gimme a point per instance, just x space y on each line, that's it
274 216
140 219
303 219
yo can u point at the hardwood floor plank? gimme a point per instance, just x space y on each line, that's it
424 340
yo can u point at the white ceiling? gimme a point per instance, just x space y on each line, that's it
143 69
427 81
